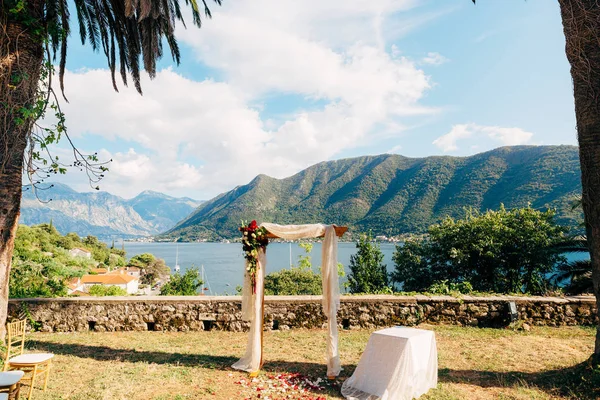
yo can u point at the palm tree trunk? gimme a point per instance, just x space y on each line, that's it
581 23
21 57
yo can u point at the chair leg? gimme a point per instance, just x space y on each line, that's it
34 373
47 375
17 391
13 392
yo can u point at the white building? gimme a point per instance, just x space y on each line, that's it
79 252
122 280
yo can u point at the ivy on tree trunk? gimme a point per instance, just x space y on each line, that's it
21 57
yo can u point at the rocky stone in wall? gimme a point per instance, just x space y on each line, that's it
289 312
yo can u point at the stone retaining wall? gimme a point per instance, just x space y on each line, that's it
289 312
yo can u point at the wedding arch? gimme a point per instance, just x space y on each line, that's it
255 239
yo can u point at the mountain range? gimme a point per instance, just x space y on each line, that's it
391 194
103 214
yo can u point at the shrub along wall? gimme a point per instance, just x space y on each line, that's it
289 312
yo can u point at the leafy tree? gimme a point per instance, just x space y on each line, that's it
154 271
103 290
498 251
292 282
32 279
304 261
131 35
141 260
100 251
368 273
115 261
298 280
183 285
412 265
152 268
580 25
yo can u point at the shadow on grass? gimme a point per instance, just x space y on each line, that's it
105 353
580 381
271 367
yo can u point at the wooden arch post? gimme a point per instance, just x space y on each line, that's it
339 231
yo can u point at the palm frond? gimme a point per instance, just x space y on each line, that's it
574 244
126 30
576 274
582 284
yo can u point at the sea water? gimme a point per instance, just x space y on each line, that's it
224 262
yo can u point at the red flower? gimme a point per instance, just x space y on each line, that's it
252 225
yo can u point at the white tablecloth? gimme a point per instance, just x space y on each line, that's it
398 364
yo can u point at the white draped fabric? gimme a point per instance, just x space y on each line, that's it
398 364
252 303
252 310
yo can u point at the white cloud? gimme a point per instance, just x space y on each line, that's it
460 132
130 173
212 135
394 150
509 136
434 58
448 142
212 124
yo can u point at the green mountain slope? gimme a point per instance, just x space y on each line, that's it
392 194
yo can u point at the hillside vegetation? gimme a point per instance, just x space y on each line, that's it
42 264
392 194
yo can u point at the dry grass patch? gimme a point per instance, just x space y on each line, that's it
474 364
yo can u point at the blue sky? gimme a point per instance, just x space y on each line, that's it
274 86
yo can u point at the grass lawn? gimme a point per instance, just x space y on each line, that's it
545 363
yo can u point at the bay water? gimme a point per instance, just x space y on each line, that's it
224 262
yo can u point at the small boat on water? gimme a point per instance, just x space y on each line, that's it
177 268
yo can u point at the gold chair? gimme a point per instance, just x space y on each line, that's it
10 384
32 364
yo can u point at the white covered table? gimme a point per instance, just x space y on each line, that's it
398 364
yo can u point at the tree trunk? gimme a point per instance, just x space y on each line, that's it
581 22
21 57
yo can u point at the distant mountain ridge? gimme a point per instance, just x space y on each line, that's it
104 214
393 194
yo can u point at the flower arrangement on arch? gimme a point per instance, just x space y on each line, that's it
254 238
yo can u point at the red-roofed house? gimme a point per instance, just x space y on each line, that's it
74 285
124 281
99 271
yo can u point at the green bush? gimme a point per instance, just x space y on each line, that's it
183 285
103 290
32 279
300 280
498 251
294 281
450 288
